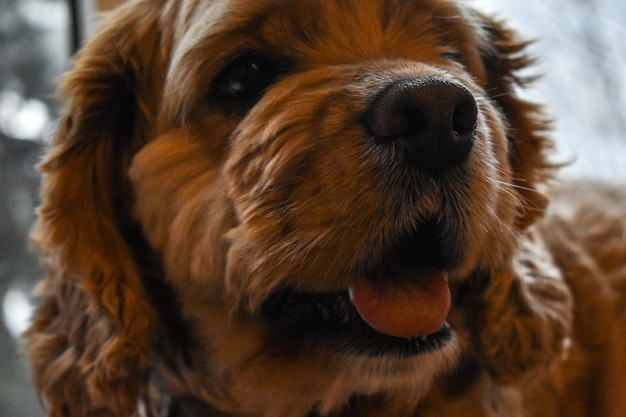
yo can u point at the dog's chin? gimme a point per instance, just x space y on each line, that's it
331 320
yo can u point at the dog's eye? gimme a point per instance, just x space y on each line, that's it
452 55
246 78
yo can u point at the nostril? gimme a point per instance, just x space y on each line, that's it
464 118
393 115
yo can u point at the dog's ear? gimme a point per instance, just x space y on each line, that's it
504 57
89 338
527 306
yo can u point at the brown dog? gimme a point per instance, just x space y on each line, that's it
291 208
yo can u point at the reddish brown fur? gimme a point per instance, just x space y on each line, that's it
149 176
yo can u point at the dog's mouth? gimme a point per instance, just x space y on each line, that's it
400 310
333 321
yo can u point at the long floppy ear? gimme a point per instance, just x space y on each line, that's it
89 339
526 307
504 56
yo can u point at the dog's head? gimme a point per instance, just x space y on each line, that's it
276 202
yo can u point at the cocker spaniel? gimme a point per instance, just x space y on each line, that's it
330 208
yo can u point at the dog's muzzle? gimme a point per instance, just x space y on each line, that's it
399 306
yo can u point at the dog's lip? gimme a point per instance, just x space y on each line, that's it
330 319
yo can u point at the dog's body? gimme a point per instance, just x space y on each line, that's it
318 208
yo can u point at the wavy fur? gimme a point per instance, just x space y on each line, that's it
170 214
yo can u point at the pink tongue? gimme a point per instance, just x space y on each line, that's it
415 308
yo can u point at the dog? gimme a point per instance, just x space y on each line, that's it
334 208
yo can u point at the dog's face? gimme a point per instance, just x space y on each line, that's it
310 149
318 180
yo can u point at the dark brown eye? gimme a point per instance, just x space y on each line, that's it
248 77
453 55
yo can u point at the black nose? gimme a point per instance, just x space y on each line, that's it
432 119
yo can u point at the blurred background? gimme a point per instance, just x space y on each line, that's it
581 48
37 39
